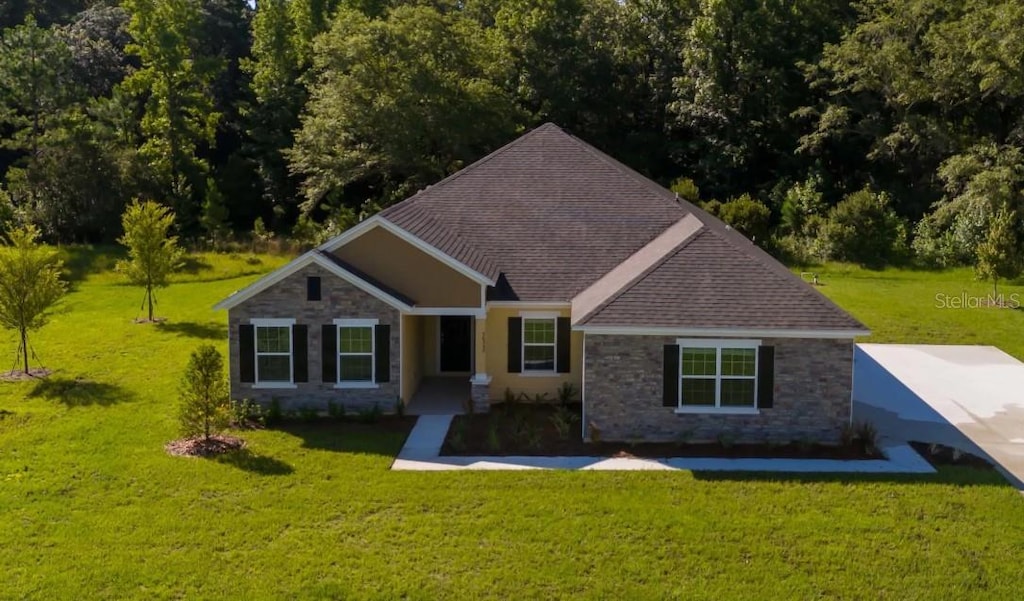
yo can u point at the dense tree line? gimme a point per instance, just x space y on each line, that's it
872 131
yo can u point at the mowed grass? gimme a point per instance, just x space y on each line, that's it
928 307
92 507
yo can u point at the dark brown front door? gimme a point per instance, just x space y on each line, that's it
456 343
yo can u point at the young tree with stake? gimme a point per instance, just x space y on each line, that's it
205 400
30 285
153 253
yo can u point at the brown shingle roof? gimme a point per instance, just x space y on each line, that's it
551 212
710 282
550 217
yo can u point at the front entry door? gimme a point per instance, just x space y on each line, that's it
456 343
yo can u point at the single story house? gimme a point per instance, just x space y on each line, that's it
548 262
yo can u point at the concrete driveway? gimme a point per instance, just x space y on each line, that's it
970 397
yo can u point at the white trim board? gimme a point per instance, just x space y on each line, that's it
431 250
311 257
721 332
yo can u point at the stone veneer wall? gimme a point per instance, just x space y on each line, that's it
339 299
624 379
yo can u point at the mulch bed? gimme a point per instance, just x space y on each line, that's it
141 320
940 455
529 430
198 446
18 375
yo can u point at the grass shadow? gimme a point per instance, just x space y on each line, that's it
384 437
957 476
192 265
190 329
79 392
85 259
247 461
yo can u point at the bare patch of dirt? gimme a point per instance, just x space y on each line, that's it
18 375
197 446
546 430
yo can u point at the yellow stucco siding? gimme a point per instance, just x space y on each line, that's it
412 343
407 269
496 354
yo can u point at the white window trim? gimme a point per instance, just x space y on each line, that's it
539 315
357 323
273 322
718 344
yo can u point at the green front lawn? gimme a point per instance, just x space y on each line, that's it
92 507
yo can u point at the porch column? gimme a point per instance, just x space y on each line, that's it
480 389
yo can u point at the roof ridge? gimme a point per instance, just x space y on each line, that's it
643 274
620 278
668 195
474 165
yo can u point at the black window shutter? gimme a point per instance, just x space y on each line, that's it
247 353
765 377
670 388
515 345
563 359
382 352
300 353
313 288
329 352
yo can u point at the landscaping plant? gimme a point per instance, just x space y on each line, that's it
205 400
153 253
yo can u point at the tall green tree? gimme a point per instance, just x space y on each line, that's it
397 103
30 286
153 253
740 84
999 254
174 83
274 70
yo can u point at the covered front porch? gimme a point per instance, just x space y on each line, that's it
440 359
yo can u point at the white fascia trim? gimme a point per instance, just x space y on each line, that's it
540 314
272 321
718 410
265 282
360 283
719 332
717 343
307 258
527 305
456 311
356 323
433 251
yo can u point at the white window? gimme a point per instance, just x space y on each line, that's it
720 374
539 338
273 351
356 352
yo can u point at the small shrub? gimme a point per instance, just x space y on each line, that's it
566 393
493 438
400 407
335 410
595 432
563 419
867 436
532 436
864 229
247 414
510 397
206 404
370 415
540 398
726 439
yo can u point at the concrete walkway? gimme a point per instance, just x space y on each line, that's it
968 397
422 453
